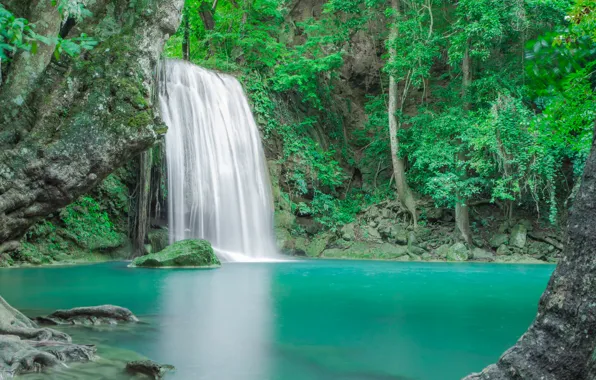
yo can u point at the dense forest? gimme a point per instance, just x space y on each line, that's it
421 124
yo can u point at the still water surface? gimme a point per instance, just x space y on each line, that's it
306 320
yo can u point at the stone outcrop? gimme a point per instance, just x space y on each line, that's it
87 116
24 347
96 315
148 368
185 253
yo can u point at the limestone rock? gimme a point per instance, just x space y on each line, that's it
442 251
498 240
481 254
399 234
318 245
518 236
185 253
503 250
457 252
348 232
148 368
371 234
97 315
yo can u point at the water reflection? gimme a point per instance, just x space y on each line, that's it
218 324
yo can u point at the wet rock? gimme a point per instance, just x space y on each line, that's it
518 236
498 240
97 315
518 258
412 239
503 250
185 253
426 256
148 368
390 251
24 347
483 255
457 252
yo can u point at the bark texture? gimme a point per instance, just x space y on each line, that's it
560 344
83 117
399 170
462 211
143 204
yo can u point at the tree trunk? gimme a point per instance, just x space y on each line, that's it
143 203
186 38
83 117
404 192
560 344
462 211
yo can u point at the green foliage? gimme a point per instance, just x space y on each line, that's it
17 34
504 137
88 225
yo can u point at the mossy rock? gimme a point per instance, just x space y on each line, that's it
458 252
185 253
159 239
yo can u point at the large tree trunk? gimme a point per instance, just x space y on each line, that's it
404 192
82 117
462 211
143 204
560 344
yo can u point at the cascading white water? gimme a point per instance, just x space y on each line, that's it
218 187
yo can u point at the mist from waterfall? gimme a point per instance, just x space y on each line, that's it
218 186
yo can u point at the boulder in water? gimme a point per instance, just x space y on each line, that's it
186 253
148 368
96 315
24 347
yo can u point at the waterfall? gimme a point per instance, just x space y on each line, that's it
218 186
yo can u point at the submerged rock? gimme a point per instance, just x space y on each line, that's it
97 315
185 253
148 368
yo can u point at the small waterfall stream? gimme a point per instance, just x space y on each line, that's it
218 185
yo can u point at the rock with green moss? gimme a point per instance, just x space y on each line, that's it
159 239
318 244
458 252
185 253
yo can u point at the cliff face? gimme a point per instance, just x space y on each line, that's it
73 121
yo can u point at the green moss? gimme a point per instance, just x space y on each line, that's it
185 253
140 120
